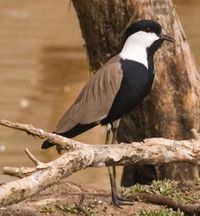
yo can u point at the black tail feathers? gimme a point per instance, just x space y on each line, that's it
46 144
78 129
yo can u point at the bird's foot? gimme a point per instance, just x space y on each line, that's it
119 201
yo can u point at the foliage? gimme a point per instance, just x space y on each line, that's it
162 212
47 209
77 210
166 187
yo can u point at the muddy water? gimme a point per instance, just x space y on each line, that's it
43 66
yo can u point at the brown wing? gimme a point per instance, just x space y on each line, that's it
95 99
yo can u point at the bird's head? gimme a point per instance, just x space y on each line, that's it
146 33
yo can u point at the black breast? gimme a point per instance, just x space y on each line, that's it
136 84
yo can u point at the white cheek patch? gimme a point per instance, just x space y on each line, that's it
145 39
136 45
151 38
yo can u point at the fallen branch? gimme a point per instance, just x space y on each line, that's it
188 209
53 138
41 176
153 151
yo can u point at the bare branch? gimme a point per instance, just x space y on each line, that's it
64 166
151 151
19 171
68 144
32 157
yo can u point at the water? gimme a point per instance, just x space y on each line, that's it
43 66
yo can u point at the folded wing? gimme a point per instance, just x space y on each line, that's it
96 98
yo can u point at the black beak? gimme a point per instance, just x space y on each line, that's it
166 37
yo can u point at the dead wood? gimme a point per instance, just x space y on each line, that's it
188 209
81 156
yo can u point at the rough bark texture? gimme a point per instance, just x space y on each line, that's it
172 108
81 156
102 24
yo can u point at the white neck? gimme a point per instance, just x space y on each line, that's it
135 47
134 52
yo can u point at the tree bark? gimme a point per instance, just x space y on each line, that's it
172 108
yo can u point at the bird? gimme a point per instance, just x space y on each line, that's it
115 89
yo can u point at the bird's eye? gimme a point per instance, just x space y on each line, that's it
147 30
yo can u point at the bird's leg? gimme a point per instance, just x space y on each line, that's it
107 141
114 128
117 200
112 171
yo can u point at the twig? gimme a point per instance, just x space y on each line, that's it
19 172
65 144
32 157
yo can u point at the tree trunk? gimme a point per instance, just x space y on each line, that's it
172 108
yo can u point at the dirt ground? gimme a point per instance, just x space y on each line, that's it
69 199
